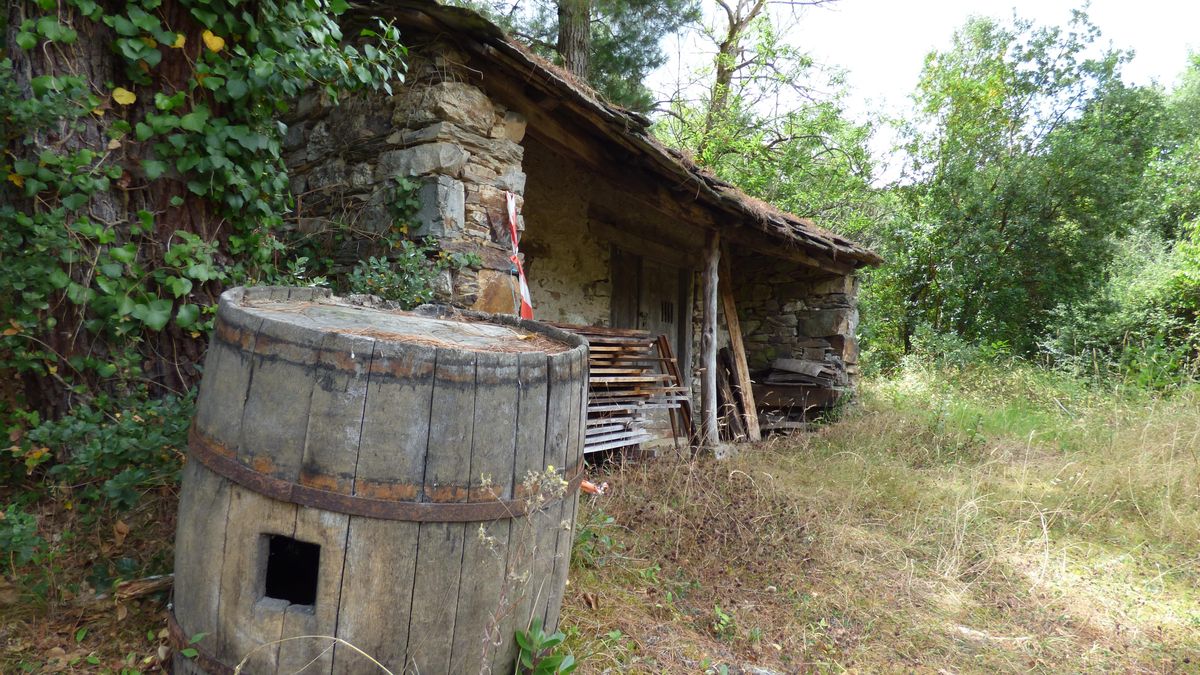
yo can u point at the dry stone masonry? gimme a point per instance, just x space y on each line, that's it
438 133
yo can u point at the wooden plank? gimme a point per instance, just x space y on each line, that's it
801 366
633 440
377 581
516 598
729 413
744 390
199 550
223 389
440 545
275 416
684 411
328 530
565 527
380 554
709 435
545 522
335 414
493 453
680 256
252 518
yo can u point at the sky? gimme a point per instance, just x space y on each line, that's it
882 44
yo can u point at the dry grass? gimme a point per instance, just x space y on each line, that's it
979 522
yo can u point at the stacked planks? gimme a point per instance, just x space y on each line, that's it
632 372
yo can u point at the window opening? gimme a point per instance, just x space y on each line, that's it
292 567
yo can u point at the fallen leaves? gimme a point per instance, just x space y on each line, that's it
120 531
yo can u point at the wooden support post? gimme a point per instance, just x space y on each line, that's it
709 432
744 389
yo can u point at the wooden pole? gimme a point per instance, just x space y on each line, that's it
709 433
740 366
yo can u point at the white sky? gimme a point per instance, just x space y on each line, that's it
882 43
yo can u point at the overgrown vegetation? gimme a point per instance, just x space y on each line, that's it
1048 209
968 518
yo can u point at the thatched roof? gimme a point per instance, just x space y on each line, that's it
613 125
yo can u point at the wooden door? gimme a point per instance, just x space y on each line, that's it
660 309
653 296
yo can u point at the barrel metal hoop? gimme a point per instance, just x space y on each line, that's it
219 460
180 641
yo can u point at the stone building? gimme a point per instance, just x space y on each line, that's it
615 227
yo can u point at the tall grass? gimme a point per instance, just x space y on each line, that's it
967 519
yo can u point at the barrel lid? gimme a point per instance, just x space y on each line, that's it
368 316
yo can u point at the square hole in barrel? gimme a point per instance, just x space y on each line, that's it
292 567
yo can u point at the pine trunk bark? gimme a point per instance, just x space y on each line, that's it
575 36
169 356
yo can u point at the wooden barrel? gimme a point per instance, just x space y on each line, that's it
403 481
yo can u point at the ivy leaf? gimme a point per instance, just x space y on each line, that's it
195 120
123 96
155 315
74 201
202 272
236 87
154 168
122 25
126 254
178 286
59 278
26 40
125 306
187 315
214 42
338 6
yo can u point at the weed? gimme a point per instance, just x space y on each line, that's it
540 653
594 542
724 624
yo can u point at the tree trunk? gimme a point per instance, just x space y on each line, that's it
575 35
169 356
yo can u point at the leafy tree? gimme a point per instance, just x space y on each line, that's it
762 124
1026 157
1171 192
610 44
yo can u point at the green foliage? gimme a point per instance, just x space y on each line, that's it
1142 322
19 542
1026 160
108 451
77 252
594 541
772 136
724 624
540 652
625 40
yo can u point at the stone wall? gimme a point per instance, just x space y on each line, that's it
439 132
567 266
785 315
